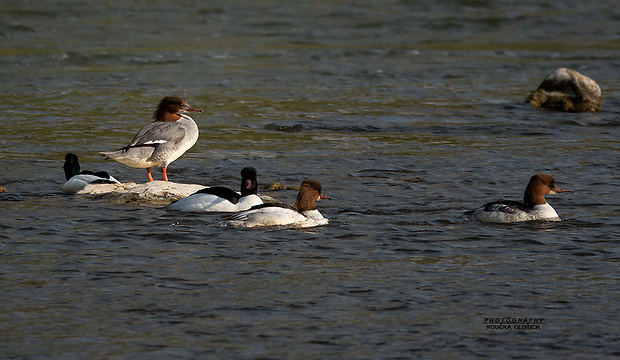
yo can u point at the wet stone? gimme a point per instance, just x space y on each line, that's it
567 90
156 192
277 186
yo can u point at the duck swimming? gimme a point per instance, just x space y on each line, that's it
533 207
222 199
77 180
301 215
161 142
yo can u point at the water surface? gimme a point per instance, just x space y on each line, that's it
408 112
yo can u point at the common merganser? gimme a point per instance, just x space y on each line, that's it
533 207
77 180
161 142
302 214
222 199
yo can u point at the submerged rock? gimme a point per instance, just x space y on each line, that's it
567 90
277 186
284 128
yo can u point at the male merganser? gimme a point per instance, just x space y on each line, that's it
222 199
533 207
161 142
77 180
302 214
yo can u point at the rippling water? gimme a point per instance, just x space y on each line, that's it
408 112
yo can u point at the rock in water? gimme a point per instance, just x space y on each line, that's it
154 192
567 90
151 192
276 186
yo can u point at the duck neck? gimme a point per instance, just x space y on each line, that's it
169 117
249 187
71 169
533 197
305 200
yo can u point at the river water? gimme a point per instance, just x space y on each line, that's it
407 112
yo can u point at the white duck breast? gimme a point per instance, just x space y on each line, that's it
221 199
303 214
533 207
504 212
274 215
77 180
205 202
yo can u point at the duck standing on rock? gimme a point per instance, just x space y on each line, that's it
161 142
77 180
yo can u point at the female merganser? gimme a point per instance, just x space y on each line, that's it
77 180
161 142
222 199
302 214
533 207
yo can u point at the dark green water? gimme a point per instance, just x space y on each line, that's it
408 112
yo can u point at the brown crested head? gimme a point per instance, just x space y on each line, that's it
170 107
309 192
539 186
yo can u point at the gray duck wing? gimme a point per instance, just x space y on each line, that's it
157 133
